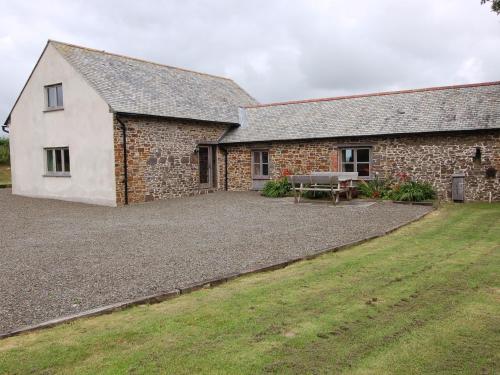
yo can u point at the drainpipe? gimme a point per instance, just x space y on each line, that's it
225 169
225 166
125 163
225 152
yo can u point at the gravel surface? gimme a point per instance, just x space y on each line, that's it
59 258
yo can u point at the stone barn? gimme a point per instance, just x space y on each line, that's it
101 128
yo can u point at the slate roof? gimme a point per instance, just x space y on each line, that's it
136 86
451 108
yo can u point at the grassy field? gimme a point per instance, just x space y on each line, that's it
423 300
4 174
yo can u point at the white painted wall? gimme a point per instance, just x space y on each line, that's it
85 126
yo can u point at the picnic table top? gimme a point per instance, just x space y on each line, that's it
342 176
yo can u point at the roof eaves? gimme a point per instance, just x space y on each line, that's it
290 139
132 114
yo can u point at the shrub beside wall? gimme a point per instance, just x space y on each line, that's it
277 188
402 188
4 151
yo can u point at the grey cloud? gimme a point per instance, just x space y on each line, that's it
277 50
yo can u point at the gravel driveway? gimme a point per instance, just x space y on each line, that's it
59 258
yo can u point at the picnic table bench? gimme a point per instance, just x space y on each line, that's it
334 183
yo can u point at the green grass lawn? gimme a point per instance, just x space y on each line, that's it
4 174
425 299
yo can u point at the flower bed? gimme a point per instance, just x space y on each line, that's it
399 189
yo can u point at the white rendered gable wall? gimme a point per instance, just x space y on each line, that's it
85 125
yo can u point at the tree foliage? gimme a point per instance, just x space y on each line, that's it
4 151
495 5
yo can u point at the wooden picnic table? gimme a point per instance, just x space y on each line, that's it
333 182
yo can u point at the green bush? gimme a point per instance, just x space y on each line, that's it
376 188
413 191
4 151
277 188
400 189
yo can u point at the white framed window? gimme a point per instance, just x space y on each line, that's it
57 161
356 159
54 96
260 164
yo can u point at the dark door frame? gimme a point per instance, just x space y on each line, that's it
211 167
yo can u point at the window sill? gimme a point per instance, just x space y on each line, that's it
53 109
261 177
57 175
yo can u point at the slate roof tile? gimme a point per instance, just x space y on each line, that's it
452 108
131 85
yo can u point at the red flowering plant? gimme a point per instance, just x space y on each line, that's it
377 188
400 178
399 188
403 177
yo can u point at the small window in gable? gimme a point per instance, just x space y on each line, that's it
54 96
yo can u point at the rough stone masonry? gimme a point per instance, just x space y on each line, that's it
162 159
163 162
424 157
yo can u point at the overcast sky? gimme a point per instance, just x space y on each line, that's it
276 49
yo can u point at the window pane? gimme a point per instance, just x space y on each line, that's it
265 169
347 155
66 160
348 167
265 157
363 169
58 160
51 97
50 160
59 95
256 157
363 155
256 169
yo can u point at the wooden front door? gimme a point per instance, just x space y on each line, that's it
207 168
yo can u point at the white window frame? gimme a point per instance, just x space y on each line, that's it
261 175
64 172
59 95
355 159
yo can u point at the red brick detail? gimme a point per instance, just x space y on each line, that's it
335 160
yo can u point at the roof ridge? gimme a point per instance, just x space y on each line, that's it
382 93
138 59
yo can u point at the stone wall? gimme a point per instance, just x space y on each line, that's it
162 161
295 157
427 157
